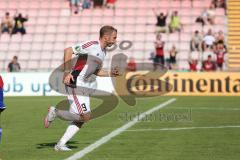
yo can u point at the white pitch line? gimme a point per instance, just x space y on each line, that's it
177 129
118 131
207 108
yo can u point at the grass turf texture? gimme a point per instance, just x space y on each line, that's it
25 138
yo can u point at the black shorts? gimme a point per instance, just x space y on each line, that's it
220 65
172 60
159 60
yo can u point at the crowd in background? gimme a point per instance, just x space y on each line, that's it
80 5
210 45
13 25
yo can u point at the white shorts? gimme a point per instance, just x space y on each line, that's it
79 104
79 97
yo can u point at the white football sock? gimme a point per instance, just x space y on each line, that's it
69 133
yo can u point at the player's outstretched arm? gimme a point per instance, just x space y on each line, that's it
113 73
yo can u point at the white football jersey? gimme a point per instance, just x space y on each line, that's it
92 48
88 50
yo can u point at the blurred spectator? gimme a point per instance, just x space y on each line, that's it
208 40
207 17
220 36
19 24
214 47
172 60
7 23
131 66
220 52
14 66
97 3
193 65
159 49
74 6
219 4
175 23
111 4
201 20
161 22
86 4
152 56
196 42
208 65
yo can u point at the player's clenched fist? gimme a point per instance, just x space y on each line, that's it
115 72
67 77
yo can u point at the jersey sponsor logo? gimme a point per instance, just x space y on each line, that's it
77 48
88 44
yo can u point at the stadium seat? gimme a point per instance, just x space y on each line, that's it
16 38
49 38
34 4
46 55
58 56
186 4
3 48
59 46
54 13
10 55
24 65
182 56
23 56
44 5
164 4
33 65
200 4
40 29
73 29
174 37
38 38
27 38
55 63
43 13
26 46
184 46
175 4
220 12
14 47
74 20
36 46
35 56
5 38
51 29
47 47
185 37
195 55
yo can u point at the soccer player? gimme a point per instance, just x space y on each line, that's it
89 64
2 106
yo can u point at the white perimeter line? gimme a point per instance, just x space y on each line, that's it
207 108
177 129
116 132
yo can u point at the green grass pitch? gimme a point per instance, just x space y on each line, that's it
25 138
